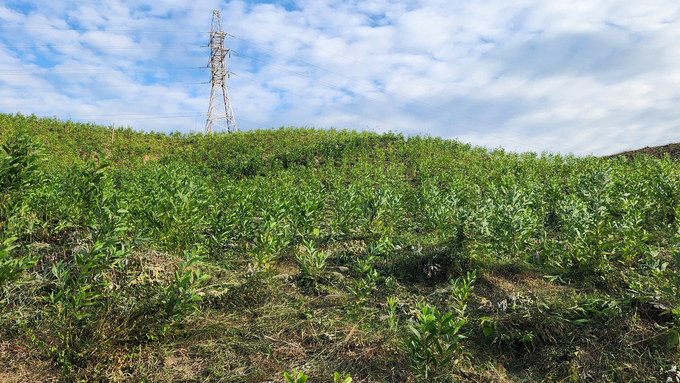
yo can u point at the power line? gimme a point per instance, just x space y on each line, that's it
169 115
106 86
83 45
342 90
85 71
341 56
255 123
134 117
106 30
320 102
158 118
383 102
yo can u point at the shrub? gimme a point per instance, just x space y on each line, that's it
19 168
312 261
11 268
433 344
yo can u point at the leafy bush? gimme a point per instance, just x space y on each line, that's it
434 342
460 289
82 296
312 261
180 296
365 279
87 187
11 268
19 168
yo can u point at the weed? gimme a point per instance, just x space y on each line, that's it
268 243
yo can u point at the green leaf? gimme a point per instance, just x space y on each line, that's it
672 338
413 329
488 331
580 322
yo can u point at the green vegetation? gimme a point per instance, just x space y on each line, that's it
243 257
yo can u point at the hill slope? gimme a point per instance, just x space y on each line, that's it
240 257
672 150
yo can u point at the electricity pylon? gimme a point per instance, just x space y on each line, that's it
220 114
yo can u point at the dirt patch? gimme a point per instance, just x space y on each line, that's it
497 284
22 363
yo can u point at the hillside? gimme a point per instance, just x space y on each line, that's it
241 257
672 150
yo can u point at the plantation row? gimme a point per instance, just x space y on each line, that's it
569 213
79 219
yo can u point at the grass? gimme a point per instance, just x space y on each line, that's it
304 235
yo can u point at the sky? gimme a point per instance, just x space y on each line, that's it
588 77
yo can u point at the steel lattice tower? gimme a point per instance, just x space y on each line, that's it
220 114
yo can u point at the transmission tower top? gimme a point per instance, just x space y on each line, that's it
220 114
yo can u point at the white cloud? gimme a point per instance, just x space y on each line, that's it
588 76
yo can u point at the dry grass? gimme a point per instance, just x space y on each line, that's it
21 362
252 329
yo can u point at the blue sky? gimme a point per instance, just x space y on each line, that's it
587 77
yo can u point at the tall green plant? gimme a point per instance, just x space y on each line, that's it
513 223
346 209
632 241
19 168
82 293
460 289
180 297
173 202
269 242
672 288
439 209
87 187
365 279
434 342
587 225
311 261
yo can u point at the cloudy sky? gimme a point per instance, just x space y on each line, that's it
579 76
